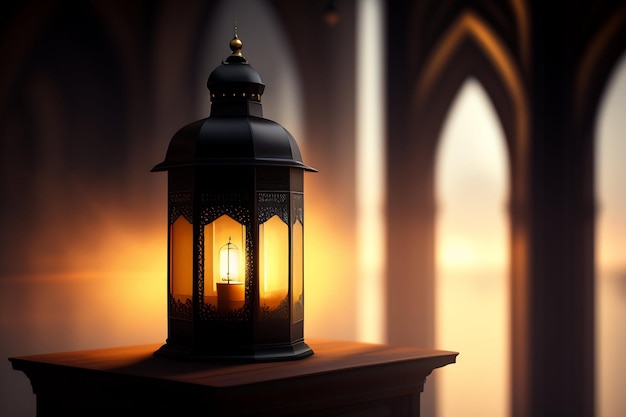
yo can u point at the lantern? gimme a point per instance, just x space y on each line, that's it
236 228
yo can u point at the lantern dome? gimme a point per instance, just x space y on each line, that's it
239 72
235 133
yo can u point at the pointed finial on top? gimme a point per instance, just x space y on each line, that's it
235 43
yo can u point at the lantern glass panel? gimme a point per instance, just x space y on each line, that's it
224 253
273 262
297 273
181 260
224 263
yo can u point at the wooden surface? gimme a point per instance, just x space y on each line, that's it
341 378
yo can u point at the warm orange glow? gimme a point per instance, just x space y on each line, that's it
523 29
230 289
330 280
217 234
459 252
297 271
181 259
112 290
229 262
230 296
273 261
472 278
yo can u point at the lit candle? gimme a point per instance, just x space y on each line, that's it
229 262
230 292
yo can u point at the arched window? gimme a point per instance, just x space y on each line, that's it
611 247
472 257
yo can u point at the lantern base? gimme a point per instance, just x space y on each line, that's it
257 353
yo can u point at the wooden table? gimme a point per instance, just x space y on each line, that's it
341 378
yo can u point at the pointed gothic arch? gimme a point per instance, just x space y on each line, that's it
596 63
471 47
468 47
472 237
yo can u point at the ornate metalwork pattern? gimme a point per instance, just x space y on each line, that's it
273 204
179 309
279 313
231 205
180 204
200 266
210 312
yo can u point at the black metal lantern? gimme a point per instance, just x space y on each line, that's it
236 228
